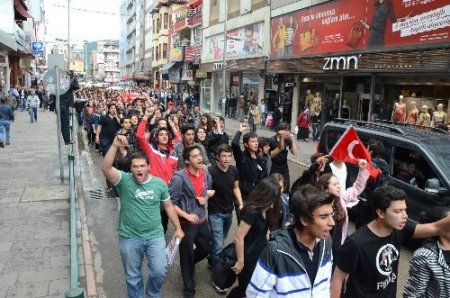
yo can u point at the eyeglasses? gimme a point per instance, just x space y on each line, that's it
325 215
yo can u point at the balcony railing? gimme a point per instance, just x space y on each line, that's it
195 19
192 53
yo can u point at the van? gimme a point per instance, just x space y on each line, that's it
418 158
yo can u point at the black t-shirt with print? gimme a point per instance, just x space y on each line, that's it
110 126
372 262
255 240
223 183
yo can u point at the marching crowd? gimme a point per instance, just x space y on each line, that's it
166 160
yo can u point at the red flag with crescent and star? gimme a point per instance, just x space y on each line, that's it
349 148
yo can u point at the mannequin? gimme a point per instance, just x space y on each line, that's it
399 111
439 116
346 111
424 117
413 113
309 99
316 103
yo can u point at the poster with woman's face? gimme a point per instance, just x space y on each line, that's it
349 25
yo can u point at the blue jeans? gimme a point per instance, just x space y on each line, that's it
23 104
316 131
132 252
6 126
33 114
219 223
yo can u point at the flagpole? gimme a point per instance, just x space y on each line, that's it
339 140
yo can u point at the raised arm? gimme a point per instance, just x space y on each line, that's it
110 172
351 194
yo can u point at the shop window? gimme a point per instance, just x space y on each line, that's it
234 8
410 167
166 21
165 51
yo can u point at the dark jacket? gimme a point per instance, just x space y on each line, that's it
66 99
251 170
215 140
182 194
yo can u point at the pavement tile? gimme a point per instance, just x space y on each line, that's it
29 290
42 275
5 246
8 280
59 261
41 234
57 251
58 287
26 261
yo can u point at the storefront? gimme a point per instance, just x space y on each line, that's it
246 56
355 74
4 73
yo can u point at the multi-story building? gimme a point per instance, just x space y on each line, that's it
148 40
161 18
123 39
17 66
185 46
243 51
105 61
130 49
357 63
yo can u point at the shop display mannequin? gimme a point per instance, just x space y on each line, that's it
317 102
412 114
346 111
424 117
309 99
439 116
399 111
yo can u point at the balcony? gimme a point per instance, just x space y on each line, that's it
21 39
195 19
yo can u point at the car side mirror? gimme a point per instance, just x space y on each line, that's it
433 185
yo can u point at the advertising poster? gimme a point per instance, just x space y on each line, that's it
242 42
176 54
349 25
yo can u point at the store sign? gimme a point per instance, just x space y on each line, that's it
176 54
218 66
200 74
187 75
340 63
340 26
37 48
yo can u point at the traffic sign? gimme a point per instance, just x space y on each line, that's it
50 81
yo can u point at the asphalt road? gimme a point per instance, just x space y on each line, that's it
102 216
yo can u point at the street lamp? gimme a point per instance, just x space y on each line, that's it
224 53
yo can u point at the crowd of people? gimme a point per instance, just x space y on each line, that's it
167 160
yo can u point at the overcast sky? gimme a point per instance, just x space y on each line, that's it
85 25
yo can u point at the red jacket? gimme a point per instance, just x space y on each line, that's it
161 165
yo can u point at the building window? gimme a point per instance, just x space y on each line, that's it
164 51
256 4
234 8
166 21
214 12
154 25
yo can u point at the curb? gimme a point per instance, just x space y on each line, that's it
91 282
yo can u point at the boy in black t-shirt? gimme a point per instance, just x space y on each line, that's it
225 179
369 257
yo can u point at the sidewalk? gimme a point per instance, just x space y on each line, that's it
34 211
305 149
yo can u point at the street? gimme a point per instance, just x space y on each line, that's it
102 216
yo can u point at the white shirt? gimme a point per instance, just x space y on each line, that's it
341 174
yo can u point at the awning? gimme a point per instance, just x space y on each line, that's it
22 10
194 3
165 68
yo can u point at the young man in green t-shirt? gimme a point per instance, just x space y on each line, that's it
140 229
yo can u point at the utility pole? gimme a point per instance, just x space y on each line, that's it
68 35
224 53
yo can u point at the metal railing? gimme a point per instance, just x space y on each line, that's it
75 290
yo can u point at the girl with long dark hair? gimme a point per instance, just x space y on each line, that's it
260 211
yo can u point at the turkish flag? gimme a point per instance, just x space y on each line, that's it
349 148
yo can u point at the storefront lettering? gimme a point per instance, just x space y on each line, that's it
341 63
218 66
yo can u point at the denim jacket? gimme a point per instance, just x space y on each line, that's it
182 194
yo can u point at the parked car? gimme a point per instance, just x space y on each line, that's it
418 158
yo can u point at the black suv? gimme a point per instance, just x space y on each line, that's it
418 158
